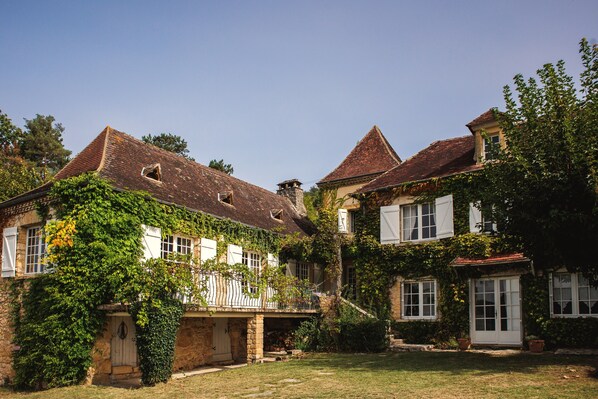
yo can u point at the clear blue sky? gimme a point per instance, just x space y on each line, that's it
280 89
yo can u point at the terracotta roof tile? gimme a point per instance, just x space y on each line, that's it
121 159
439 159
372 155
484 118
493 260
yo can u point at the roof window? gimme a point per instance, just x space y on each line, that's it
276 214
226 197
153 172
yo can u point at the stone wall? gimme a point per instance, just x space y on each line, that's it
237 330
395 300
255 338
6 333
101 365
193 343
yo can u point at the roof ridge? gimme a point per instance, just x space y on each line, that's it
107 129
387 145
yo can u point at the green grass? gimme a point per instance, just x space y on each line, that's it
386 375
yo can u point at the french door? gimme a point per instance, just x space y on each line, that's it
496 311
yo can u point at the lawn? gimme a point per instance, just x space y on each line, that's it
386 375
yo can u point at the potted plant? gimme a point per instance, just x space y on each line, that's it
535 344
464 343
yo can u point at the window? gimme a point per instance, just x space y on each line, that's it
153 172
302 271
35 251
419 222
176 245
572 295
253 261
276 214
478 223
352 221
419 299
226 197
491 147
350 290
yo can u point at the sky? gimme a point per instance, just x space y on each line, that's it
279 89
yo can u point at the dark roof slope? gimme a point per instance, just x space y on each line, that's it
121 159
372 155
486 117
439 159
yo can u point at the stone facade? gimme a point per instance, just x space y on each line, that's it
101 365
237 330
6 333
255 338
395 300
193 343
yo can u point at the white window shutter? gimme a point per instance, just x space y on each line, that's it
444 217
234 254
389 224
291 268
475 217
342 221
208 249
152 242
318 276
272 260
9 252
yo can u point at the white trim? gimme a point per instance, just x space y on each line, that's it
444 217
420 284
9 251
574 297
40 251
342 221
390 224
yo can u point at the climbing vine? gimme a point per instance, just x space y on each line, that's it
94 247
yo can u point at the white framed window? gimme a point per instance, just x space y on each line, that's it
571 295
491 146
176 245
419 222
35 251
350 290
479 222
302 270
419 299
253 261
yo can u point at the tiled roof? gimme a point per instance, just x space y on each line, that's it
121 159
493 260
439 159
486 117
372 155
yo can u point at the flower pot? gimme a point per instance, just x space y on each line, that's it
536 345
464 343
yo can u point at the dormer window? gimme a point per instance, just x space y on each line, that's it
226 197
153 172
491 147
276 214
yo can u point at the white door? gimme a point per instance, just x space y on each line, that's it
123 350
221 340
496 311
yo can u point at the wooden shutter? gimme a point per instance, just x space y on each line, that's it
318 275
475 217
292 268
234 254
208 249
152 242
389 224
342 221
444 217
272 260
9 252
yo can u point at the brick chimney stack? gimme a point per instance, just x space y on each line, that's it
293 191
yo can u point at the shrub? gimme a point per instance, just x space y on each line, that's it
416 331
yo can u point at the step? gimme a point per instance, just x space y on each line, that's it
411 348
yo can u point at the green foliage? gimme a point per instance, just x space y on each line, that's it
416 331
169 142
313 201
221 166
551 134
10 135
156 337
41 144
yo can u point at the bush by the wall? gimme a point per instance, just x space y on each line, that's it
156 340
365 335
416 331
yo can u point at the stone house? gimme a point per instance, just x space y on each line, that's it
231 326
496 291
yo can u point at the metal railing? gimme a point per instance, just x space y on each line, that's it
236 293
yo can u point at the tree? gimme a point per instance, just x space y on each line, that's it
544 185
41 144
10 135
169 142
221 166
313 201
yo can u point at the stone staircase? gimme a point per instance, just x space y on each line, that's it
397 345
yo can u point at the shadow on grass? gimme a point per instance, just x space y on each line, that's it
455 363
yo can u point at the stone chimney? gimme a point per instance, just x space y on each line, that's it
293 191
